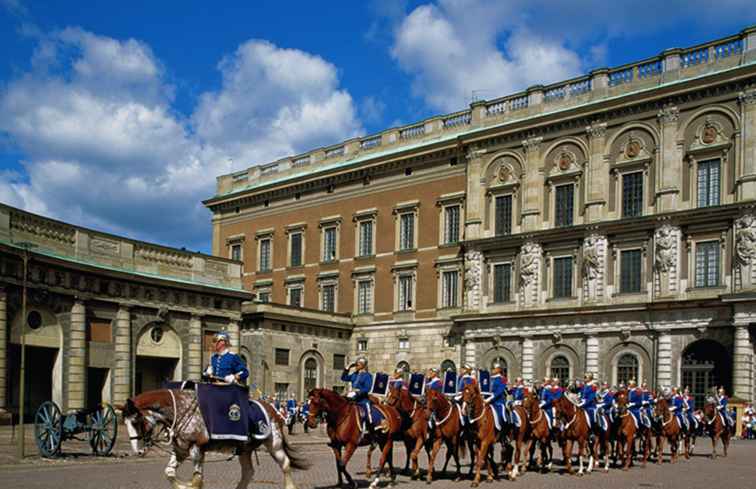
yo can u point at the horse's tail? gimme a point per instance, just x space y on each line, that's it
296 457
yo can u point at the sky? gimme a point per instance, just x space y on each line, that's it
120 115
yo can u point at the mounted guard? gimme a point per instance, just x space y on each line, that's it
588 399
722 408
361 382
225 365
498 396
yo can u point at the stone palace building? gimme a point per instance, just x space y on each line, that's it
107 317
605 223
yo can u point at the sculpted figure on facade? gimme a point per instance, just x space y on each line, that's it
592 260
473 272
530 261
666 248
745 238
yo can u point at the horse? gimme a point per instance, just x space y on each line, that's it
602 442
716 427
539 431
521 437
448 430
345 431
575 429
483 428
669 429
626 431
177 412
414 426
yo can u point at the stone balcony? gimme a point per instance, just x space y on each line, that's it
669 67
85 246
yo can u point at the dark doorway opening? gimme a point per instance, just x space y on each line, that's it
96 378
152 372
40 363
706 365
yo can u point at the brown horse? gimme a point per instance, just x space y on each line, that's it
177 413
539 431
716 427
575 429
669 429
521 437
626 431
345 431
414 425
447 430
483 428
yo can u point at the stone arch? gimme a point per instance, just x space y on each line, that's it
44 350
553 351
512 366
448 364
577 142
633 149
504 157
645 366
637 125
246 355
158 355
306 371
704 364
722 109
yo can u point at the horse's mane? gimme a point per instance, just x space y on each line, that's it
153 400
329 395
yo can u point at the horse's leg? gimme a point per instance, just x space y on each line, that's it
198 460
368 469
714 445
660 449
348 452
275 446
173 464
581 452
490 463
482 455
416 456
385 452
247 469
452 446
407 451
628 451
567 456
725 443
339 464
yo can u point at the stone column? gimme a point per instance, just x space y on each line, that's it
746 177
592 355
533 193
3 349
664 360
76 376
742 374
475 198
233 332
528 355
194 356
597 176
123 356
669 164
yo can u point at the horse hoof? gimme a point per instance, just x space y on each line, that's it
474 484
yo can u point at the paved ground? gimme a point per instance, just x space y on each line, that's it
77 469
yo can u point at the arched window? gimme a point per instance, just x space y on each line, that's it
310 375
448 365
501 361
627 368
560 368
405 367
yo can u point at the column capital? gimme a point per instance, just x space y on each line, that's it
748 96
668 114
124 307
596 130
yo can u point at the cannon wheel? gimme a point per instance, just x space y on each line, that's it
48 429
103 431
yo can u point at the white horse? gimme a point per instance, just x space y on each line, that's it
177 412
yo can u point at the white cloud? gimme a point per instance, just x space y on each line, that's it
104 147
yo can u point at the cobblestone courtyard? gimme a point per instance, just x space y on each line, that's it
77 469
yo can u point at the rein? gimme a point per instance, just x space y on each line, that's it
540 415
482 413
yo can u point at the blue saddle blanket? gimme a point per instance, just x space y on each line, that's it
226 411
376 417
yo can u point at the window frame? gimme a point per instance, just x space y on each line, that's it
492 281
453 299
291 231
299 285
359 345
641 274
322 285
410 275
326 224
556 188
276 351
402 209
445 203
265 237
364 279
697 182
717 244
643 183
553 279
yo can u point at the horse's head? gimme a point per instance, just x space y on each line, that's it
318 405
530 403
394 396
471 398
143 416
661 407
620 399
710 408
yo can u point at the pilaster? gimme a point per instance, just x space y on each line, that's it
3 349
233 332
664 360
669 164
597 180
475 198
592 355
194 357
528 357
76 375
742 372
746 174
533 194
123 357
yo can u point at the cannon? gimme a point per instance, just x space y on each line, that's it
99 426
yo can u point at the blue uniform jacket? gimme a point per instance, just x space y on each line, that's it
228 364
434 384
691 402
518 393
464 381
498 390
361 382
677 404
291 405
635 397
546 397
722 402
589 397
608 400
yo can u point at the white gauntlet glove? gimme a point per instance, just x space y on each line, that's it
229 378
209 371
351 395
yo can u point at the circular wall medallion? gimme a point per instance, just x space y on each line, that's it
34 319
156 334
709 134
633 148
503 173
565 161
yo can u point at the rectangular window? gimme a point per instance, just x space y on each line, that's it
449 288
364 297
565 205
236 252
328 298
630 271
707 264
503 215
407 231
362 345
502 280
295 297
265 255
404 343
329 244
632 194
296 249
282 356
405 293
263 297
281 391
708 183
339 361
563 277
451 224
366 238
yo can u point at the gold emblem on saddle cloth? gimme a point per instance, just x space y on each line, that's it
234 412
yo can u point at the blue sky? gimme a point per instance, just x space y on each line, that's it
119 115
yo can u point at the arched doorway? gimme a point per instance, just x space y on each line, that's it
705 365
311 367
448 365
158 357
560 369
628 369
44 363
